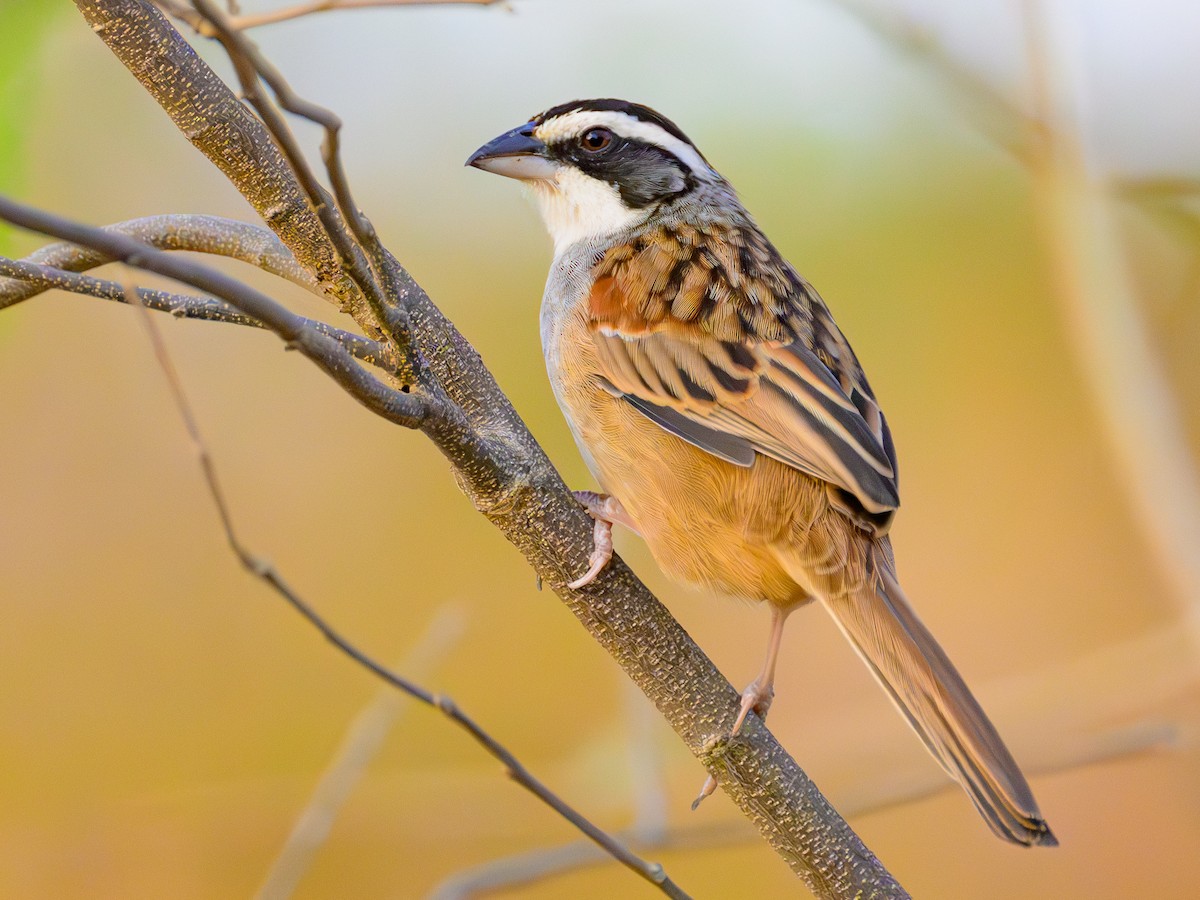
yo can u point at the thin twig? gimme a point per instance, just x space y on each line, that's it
182 306
32 280
361 256
284 14
363 740
403 408
214 235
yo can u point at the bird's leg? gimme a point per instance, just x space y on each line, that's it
761 691
606 510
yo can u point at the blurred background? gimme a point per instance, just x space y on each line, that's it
1029 317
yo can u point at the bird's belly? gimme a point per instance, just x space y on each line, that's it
706 521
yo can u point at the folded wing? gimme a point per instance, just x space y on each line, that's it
736 354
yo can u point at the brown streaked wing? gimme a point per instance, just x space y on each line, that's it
788 387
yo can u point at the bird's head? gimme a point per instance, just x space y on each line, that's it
597 167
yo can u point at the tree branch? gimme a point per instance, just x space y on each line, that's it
358 247
242 22
408 409
215 235
507 476
30 279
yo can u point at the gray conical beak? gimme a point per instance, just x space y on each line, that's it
515 154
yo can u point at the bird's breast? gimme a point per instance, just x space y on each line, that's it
707 522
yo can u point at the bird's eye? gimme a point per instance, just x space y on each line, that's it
596 140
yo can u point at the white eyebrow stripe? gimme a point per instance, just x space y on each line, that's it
575 123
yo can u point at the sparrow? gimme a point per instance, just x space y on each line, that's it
727 419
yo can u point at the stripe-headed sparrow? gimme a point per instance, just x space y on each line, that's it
726 417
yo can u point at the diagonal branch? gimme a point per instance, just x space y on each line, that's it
508 478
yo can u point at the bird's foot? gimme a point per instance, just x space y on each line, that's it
757 697
606 510
602 552
606 507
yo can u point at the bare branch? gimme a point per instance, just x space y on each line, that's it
31 279
361 256
227 132
214 235
407 409
256 20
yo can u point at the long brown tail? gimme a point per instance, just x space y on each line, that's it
931 694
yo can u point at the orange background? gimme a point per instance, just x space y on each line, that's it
164 718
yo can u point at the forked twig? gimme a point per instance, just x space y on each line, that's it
362 257
405 408
34 279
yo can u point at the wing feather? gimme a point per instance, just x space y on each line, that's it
781 382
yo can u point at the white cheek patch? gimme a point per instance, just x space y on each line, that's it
576 206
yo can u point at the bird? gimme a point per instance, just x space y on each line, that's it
727 419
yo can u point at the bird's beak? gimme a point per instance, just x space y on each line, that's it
515 154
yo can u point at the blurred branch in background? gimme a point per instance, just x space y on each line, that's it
1116 352
997 117
1064 719
363 740
1137 407
1175 204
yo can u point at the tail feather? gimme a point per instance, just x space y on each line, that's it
928 690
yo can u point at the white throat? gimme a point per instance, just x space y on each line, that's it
576 207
